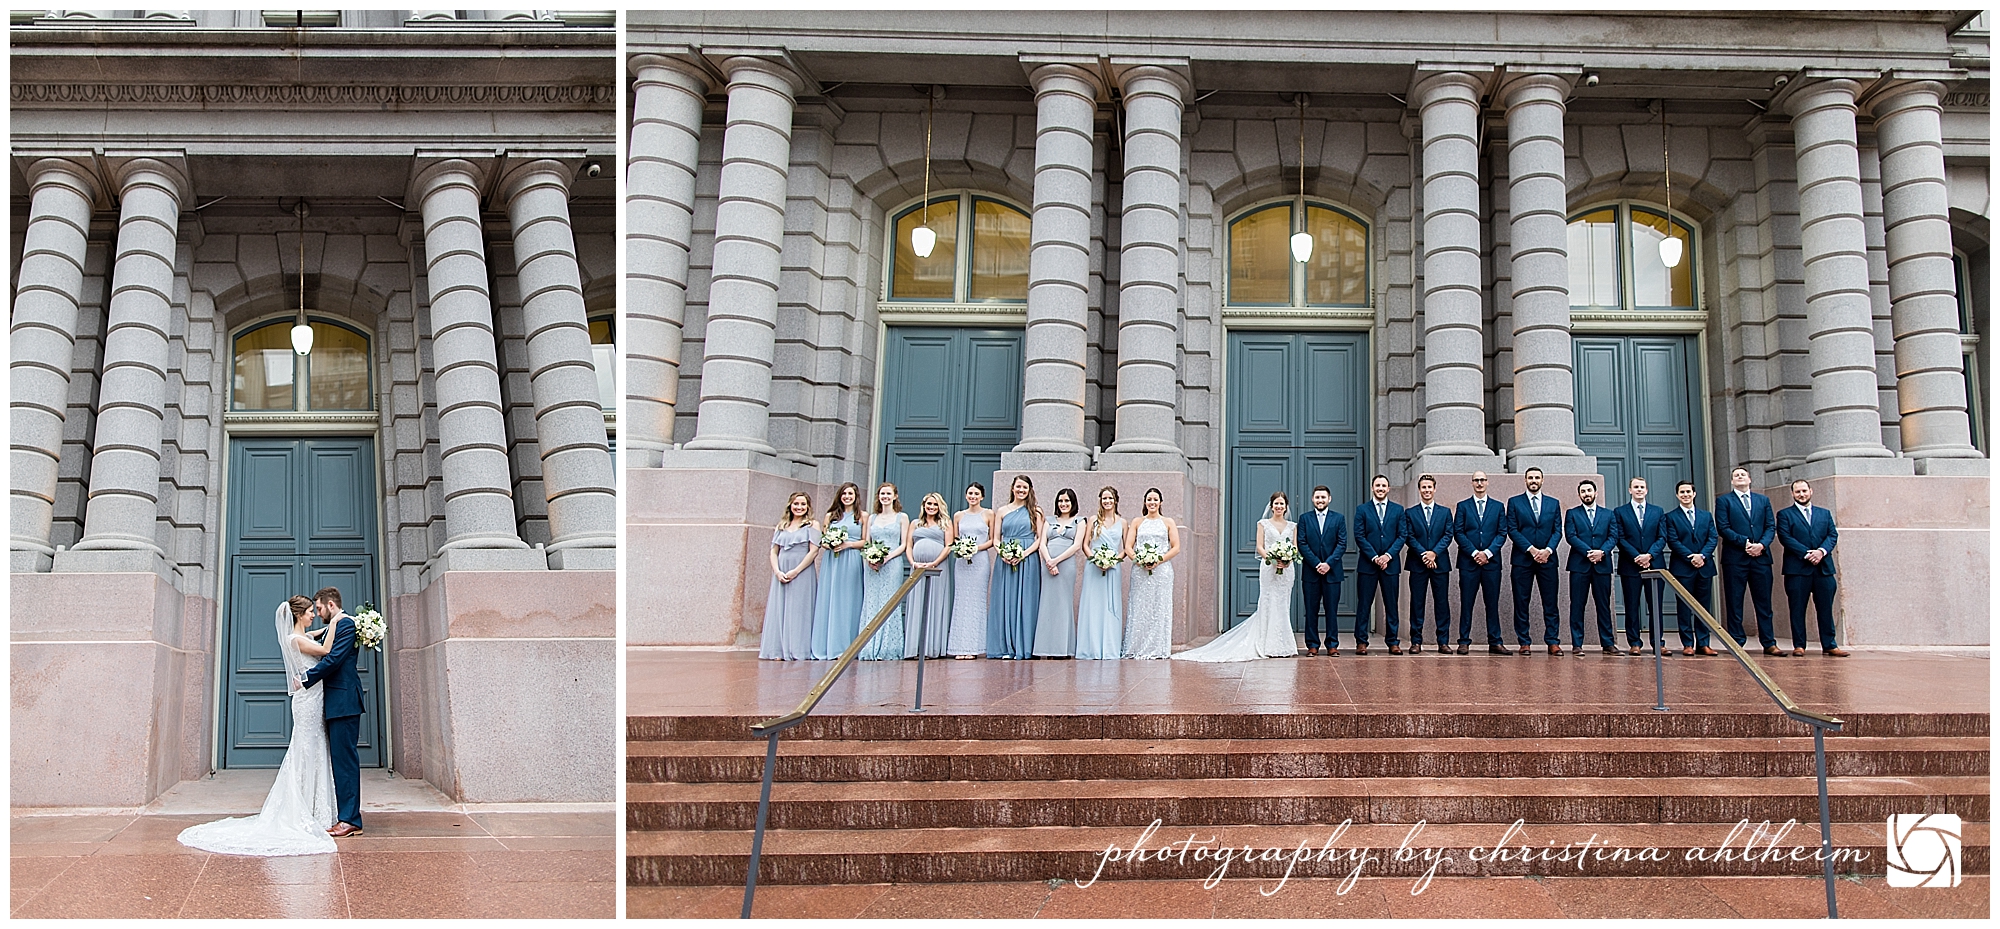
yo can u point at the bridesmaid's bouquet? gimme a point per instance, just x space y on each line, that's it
964 547
1281 555
1104 558
833 538
875 552
369 627
1148 555
1013 552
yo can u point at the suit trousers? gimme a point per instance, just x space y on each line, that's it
1471 582
1821 587
1364 605
1639 604
343 735
1321 589
1694 632
1425 580
1526 578
1757 577
1597 587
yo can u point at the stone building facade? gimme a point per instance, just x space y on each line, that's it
1486 194
429 190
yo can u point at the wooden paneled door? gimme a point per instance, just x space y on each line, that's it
1638 410
951 404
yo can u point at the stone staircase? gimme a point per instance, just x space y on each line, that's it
906 798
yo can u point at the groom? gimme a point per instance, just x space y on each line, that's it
343 710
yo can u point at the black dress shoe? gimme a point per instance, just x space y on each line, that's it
1465 649
1498 649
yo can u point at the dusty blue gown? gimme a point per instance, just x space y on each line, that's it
1100 617
969 579
837 612
929 605
1017 592
878 585
788 612
1055 622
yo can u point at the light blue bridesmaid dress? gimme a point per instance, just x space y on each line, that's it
788 611
877 586
1017 592
1100 617
837 613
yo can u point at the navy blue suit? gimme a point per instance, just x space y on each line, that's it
1376 535
1638 534
1479 533
1585 535
343 716
1804 578
1433 536
1322 548
1739 569
1685 539
1526 529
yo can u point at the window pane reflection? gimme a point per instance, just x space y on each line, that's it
264 369
1337 272
1260 257
337 376
1593 259
999 252
927 278
603 355
1653 283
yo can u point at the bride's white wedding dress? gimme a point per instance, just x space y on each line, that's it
300 807
1268 632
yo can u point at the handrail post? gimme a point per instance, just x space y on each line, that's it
923 630
1825 820
763 814
1659 596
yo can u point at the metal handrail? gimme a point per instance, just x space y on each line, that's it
770 729
1821 723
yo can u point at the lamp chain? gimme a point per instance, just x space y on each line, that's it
930 119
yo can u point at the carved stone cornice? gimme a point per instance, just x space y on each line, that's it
316 96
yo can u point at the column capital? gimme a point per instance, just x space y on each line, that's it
1064 74
169 166
1904 88
74 169
1522 83
521 170
434 168
770 67
680 66
1172 72
1804 92
1434 79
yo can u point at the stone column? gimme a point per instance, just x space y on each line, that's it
1149 269
1847 420
1058 269
667 98
569 422
62 191
1544 386
749 239
124 499
1454 347
1930 378
480 531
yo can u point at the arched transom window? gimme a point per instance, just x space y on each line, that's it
980 254
1264 272
270 376
1615 264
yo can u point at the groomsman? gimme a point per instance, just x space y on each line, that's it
1587 528
1534 523
1692 541
1378 531
1808 535
1747 526
1637 529
1427 531
1478 527
1322 540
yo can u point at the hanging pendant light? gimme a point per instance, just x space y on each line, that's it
922 238
1670 247
1302 241
302 333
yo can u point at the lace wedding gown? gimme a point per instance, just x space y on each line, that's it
1268 632
300 807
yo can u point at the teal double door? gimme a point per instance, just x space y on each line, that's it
301 517
1297 418
951 404
1638 410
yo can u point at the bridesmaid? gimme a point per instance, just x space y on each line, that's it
788 612
891 527
1149 608
1055 622
837 614
928 609
969 578
1099 618
1017 587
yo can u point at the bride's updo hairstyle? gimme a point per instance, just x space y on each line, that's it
300 605
1277 496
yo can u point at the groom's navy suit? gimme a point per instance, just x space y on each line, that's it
1479 532
1317 547
1527 529
343 716
1376 535
1740 570
1434 536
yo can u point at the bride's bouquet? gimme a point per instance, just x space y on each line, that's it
964 547
1104 558
833 538
1012 552
1148 555
1281 555
875 552
370 627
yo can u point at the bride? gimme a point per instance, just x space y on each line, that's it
300 807
1268 632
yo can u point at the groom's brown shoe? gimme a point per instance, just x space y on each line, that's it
343 830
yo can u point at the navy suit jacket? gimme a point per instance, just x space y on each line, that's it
1738 527
1422 537
1373 536
1527 529
1634 539
1585 535
337 669
1697 539
1480 535
1318 548
1800 538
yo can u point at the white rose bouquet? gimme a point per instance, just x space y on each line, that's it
369 627
964 547
1012 552
876 552
1148 555
1281 555
833 538
1105 558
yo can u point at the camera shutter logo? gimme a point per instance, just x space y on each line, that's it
1924 849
